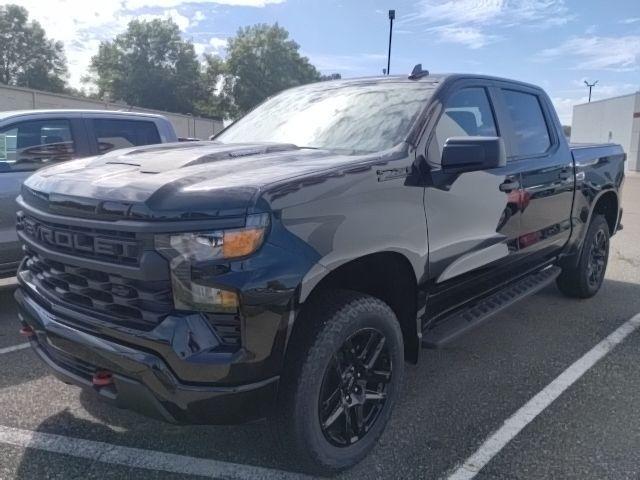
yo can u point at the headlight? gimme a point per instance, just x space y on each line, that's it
184 250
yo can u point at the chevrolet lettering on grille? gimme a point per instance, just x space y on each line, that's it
87 243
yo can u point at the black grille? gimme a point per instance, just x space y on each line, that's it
104 245
131 303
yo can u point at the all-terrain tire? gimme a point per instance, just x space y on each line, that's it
585 279
331 319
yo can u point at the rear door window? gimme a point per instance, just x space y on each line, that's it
529 125
29 145
111 134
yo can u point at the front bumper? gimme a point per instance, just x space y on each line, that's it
142 382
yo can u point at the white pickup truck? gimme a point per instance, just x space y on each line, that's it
31 139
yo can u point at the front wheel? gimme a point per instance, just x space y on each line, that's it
585 279
341 381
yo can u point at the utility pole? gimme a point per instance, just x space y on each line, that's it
392 16
590 86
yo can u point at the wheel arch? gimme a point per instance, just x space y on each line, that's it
607 204
386 275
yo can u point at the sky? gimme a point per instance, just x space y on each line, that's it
557 44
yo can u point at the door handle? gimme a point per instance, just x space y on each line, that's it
509 186
564 174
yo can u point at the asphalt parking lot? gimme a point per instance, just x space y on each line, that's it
453 401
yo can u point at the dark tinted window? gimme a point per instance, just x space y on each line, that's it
467 113
532 135
112 134
33 144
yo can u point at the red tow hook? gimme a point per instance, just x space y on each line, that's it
102 378
27 331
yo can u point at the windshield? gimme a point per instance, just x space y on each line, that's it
366 117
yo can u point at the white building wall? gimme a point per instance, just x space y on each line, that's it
610 120
14 98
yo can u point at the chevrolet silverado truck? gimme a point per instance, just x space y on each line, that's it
32 139
290 267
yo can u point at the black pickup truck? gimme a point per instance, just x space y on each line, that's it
288 268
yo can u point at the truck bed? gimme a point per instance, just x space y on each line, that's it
587 153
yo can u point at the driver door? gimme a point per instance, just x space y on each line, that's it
473 218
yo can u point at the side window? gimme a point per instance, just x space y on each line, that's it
467 113
530 127
112 133
29 145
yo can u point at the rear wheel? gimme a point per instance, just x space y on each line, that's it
585 279
341 382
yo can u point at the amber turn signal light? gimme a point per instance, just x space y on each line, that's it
239 243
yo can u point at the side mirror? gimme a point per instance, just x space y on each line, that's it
470 154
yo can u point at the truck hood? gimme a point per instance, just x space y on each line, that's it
173 180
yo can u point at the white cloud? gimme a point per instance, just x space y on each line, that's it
472 37
494 12
457 12
629 21
82 24
565 100
197 18
218 43
135 4
620 54
200 48
603 89
349 65
182 21
591 29
473 22
564 107
215 45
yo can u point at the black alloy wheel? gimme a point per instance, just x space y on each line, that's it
598 252
353 391
343 376
584 278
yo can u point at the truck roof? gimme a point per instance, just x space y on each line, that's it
432 78
65 111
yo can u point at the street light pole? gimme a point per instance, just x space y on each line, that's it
590 85
392 15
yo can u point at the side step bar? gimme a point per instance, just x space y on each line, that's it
461 322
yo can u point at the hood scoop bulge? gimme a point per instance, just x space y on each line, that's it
158 159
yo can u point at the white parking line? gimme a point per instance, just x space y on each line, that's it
14 348
514 425
137 457
8 282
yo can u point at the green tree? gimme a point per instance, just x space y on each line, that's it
27 57
262 60
217 99
149 65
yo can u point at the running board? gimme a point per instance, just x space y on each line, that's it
461 322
